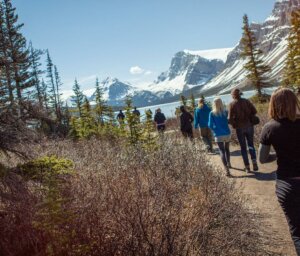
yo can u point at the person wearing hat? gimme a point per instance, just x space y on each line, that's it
160 120
240 114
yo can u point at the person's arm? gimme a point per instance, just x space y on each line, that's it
263 153
231 115
191 118
210 121
252 108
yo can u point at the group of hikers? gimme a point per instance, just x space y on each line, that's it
282 133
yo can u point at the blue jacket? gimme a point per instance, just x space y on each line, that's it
201 116
219 124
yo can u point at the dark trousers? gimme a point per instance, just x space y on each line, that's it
246 136
224 152
188 133
288 194
161 127
206 136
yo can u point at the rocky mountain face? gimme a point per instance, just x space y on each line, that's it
271 36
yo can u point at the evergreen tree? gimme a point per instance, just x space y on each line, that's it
7 87
183 100
291 76
58 85
78 97
52 93
18 53
35 56
149 137
44 92
101 107
257 70
134 133
192 103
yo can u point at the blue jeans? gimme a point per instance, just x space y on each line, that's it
245 136
224 152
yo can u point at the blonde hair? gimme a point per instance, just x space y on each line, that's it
284 104
218 106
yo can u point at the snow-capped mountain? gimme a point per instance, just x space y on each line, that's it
272 38
189 69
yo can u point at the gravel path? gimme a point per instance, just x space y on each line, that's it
260 188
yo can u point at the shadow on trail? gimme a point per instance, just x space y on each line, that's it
257 175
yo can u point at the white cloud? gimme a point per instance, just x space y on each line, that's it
149 72
136 70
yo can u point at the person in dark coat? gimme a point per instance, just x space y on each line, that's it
282 133
160 120
137 114
240 113
186 120
121 117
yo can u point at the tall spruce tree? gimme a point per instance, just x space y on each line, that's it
291 76
101 107
52 93
35 56
78 98
58 85
18 53
44 92
7 87
257 70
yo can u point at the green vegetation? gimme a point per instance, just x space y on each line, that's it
257 70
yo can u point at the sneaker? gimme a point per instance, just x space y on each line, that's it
255 167
247 168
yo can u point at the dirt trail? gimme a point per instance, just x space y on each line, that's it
260 188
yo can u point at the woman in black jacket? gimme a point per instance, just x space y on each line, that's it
283 133
186 120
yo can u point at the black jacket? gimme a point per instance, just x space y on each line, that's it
159 118
186 120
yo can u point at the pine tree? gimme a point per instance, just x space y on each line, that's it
44 92
183 100
78 97
58 85
257 70
101 106
35 56
18 53
7 87
52 93
291 76
134 133
149 138
192 104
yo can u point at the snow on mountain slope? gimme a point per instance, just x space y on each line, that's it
189 69
214 54
272 38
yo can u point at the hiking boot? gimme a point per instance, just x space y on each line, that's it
255 166
247 168
227 171
229 165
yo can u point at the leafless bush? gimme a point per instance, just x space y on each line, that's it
125 201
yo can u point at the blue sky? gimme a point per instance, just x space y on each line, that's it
88 38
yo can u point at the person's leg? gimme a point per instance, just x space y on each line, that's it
288 194
227 154
222 152
242 141
250 141
205 137
210 140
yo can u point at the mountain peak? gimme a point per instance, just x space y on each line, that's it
212 54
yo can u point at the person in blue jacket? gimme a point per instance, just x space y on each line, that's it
201 116
218 122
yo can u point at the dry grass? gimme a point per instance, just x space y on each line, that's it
125 201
